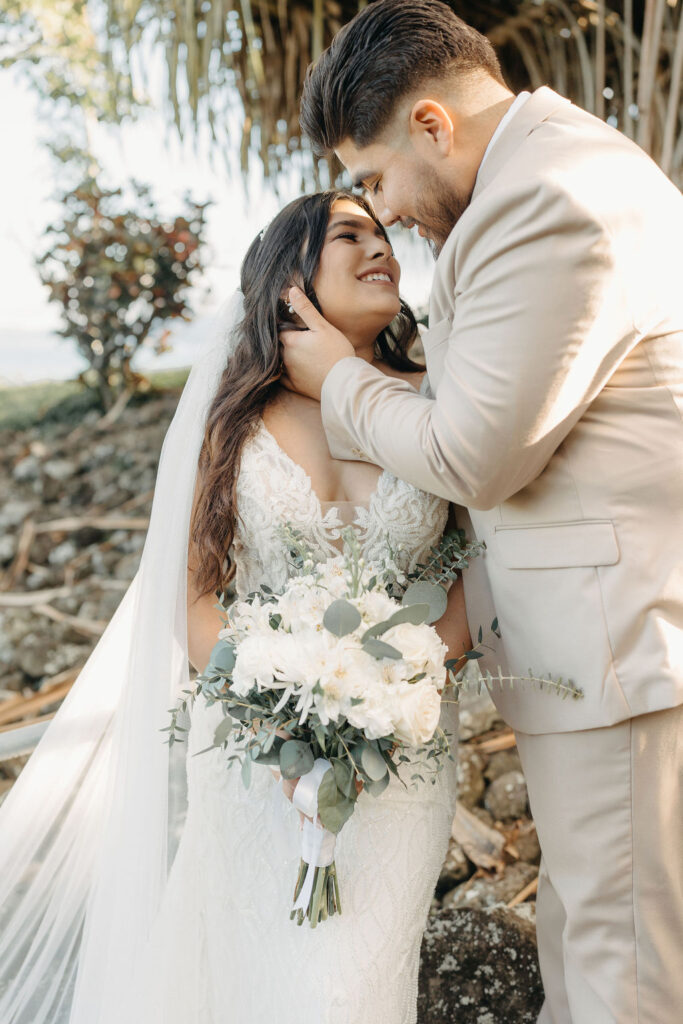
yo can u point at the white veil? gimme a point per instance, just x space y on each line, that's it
88 831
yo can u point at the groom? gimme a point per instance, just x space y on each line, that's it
555 359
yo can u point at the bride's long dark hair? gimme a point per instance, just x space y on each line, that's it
288 250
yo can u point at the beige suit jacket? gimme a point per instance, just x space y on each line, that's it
555 358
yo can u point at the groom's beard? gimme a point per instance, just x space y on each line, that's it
438 209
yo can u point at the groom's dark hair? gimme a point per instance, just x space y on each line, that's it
389 49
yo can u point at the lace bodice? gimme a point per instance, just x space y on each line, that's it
272 490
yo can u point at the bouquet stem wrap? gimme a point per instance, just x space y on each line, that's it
317 893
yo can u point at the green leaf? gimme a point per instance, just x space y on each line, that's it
480 635
376 788
296 758
222 657
246 772
472 655
334 808
321 737
372 762
223 730
415 613
272 754
431 594
345 777
378 649
341 618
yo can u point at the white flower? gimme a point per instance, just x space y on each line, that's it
421 646
253 665
376 606
417 707
302 606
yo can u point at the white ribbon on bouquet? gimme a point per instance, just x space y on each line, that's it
317 842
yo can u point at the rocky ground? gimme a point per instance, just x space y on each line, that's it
75 495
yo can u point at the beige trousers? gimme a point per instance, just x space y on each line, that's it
608 807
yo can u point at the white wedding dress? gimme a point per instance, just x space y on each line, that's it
224 950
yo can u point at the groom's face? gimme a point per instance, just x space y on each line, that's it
409 181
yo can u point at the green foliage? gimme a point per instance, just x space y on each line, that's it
56 49
431 594
119 272
341 618
334 807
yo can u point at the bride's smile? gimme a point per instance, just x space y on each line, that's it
358 275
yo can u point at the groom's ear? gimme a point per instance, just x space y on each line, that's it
431 128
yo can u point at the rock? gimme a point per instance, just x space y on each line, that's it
63 553
483 815
470 776
26 469
478 714
502 762
13 513
488 891
479 967
59 469
456 868
506 797
526 843
41 655
8 547
127 566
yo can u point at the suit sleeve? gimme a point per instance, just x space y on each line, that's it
541 322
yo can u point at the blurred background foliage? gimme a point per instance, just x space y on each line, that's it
619 59
236 67
118 270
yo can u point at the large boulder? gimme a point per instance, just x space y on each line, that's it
479 967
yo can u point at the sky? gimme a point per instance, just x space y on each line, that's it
148 151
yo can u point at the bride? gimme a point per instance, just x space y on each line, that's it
143 884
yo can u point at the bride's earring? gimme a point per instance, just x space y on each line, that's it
290 308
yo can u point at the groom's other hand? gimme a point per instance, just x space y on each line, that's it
310 354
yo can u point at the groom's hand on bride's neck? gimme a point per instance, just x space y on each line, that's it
309 354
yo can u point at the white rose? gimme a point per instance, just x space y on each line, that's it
417 707
376 606
421 646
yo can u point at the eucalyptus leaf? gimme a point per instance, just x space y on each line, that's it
372 763
431 594
334 808
296 758
272 755
376 788
345 777
414 613
341 618
246 772
223 730
222 657
378 649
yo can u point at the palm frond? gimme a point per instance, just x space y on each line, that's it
245 60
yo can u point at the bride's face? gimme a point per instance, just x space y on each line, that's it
357 279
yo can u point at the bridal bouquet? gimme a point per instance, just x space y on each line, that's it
332 681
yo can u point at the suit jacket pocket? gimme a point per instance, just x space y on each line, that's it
584 542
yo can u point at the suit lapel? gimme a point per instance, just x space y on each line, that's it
538 108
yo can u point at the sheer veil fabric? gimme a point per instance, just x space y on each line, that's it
89 829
